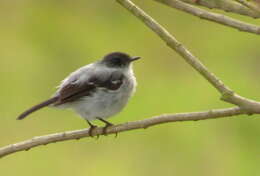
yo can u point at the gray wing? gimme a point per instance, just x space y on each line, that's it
75 90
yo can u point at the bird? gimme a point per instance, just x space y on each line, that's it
96 91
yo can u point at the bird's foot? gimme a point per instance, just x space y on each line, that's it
105 128
90 131
108 124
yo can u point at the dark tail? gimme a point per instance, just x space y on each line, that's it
37 107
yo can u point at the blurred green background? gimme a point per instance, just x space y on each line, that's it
41 42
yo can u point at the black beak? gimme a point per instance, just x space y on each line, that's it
135 58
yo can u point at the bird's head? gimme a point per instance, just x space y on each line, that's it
118 60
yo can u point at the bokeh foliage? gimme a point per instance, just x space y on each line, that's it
43 41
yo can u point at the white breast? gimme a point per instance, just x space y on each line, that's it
106 103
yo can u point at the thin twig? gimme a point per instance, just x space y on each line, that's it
249 5
228 95
77 134
226 5
173 43
215 17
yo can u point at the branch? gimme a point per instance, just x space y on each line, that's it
228 95
249 5
77 134
173 43
218 18
226 5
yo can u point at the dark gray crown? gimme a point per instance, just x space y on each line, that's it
118 59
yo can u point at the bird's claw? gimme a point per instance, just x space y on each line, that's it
106 127
105 130
108 124
116 135
90 131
